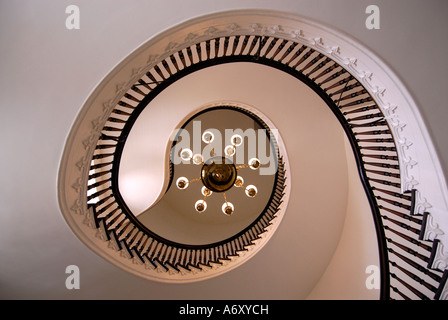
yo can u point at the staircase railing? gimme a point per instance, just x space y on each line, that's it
405 258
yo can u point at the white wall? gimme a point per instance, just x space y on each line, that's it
345 277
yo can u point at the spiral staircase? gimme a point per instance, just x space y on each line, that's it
406 255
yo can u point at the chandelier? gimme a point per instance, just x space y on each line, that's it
218 173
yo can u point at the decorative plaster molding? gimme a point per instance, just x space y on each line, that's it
400 112
440 260
432 230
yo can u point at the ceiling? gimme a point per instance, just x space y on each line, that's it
48 73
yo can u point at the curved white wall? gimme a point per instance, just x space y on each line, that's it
345 276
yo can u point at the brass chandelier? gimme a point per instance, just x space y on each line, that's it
218 173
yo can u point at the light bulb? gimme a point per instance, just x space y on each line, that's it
206 191
230 151
228 209
251 191
208 137
239 181
186 154
200 206
182 183
254 163
197 158
236 140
